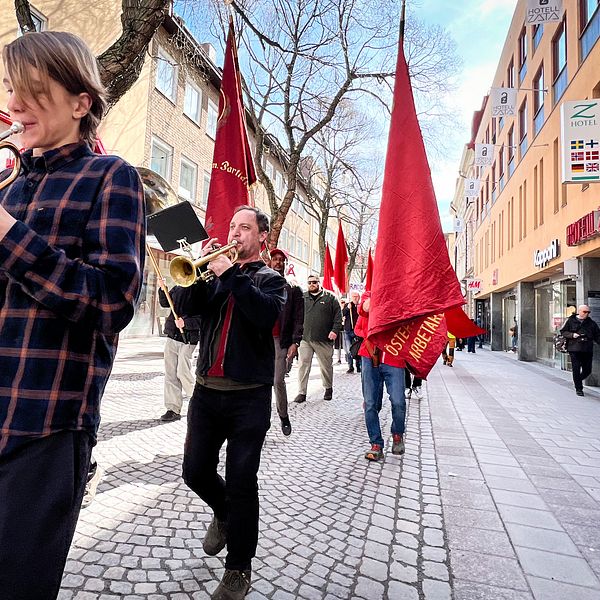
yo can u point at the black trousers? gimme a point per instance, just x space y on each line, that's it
41 488
242 418
582 367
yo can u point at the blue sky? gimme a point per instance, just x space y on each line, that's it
479 28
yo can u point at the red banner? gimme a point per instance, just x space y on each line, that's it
340 271
369 278
459 324
233 168
328 270
413 280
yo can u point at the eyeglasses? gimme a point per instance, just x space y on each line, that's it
313 282
586 312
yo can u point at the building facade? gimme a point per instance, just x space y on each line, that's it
534 272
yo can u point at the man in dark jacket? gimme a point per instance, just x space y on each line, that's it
182 336
581 332
349 317
287 335
232 399
322 324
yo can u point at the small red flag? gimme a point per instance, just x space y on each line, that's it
340 273
413 281
459 324
328 270
369 278
233 167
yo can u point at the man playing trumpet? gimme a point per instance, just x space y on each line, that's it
232 398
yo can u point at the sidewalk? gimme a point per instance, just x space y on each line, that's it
497 497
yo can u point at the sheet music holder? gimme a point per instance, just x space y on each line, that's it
176 226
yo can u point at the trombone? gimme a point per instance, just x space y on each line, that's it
15 128
185 271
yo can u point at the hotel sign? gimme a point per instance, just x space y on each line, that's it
580 141
584 229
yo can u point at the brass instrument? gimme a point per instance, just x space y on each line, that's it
16 127
158 194
185 271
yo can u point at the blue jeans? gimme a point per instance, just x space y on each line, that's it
373 379
349 337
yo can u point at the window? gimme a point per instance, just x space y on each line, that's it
205 188
292 243
40 22
590 25
166 75
279 187
161 160
188 175
501 167
559 62
510 74
523 129
493 130
316 262
193 102
510 140
538 100
305 251
283 238
270 171
212 114
538 32
522 55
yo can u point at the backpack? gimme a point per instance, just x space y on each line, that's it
560 342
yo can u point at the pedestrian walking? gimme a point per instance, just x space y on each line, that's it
72 236
231 402
514 336
182 338
413 385
380 368
471 341
322 325
581 332
287 335
448 351
349 318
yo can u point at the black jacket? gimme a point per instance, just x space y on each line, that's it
191 325
258 295
291 319
322 314
350 317
588 331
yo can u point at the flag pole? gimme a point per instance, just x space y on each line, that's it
402 22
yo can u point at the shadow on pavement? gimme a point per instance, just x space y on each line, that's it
136 376
108 431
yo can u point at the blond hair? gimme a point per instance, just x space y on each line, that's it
66 59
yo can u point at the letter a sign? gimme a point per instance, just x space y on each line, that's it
503 101
543 11
484 154
472 188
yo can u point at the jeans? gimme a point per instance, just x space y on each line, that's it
349 336
471 344
41 488
242 417
582 367
373 379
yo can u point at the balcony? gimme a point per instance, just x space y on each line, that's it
590 35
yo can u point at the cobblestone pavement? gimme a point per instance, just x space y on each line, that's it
497 496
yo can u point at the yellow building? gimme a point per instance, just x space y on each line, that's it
167 122
532 272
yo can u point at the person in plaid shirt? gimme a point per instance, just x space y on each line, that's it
72 232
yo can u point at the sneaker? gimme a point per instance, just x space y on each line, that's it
94 477
397 444
350 370
300 398
170 415
328 395
407 393
375 453
286 426
215 538
579 392
233 586
417 392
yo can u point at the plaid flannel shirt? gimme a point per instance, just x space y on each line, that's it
70 273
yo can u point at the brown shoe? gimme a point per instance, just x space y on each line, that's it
233 586
216 537
397 444
300 398
328 395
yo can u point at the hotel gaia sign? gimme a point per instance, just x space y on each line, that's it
580 141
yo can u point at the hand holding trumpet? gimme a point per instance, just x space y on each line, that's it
219 264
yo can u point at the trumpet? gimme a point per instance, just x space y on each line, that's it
185 271
16 127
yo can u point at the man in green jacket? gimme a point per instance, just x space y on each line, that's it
322 325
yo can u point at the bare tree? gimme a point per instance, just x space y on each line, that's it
303 58
121 64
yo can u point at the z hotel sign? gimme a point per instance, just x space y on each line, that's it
583 230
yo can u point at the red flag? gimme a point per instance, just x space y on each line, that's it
369 278
460 325
328 270
413 282
233 168
340 272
